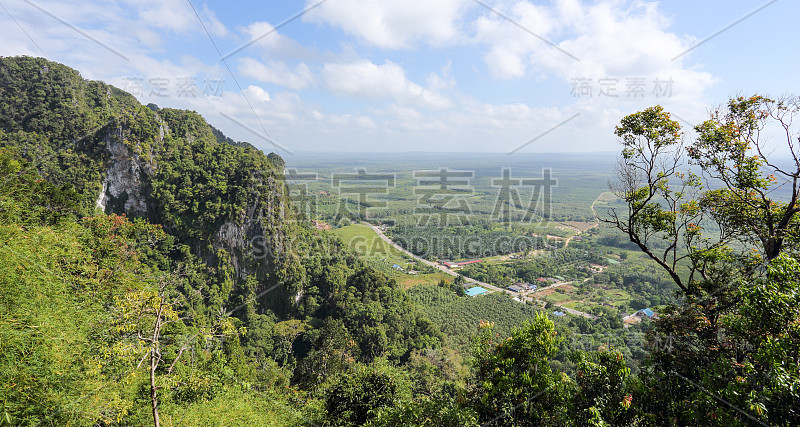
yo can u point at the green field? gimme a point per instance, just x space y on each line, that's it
407 281
365 242
379 254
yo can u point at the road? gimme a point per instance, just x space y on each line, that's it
529 296
596 222
554 285
478 282
431 263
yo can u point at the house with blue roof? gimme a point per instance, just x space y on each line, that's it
477 290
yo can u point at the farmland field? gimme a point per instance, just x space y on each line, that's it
483 219
397 184
366 242
455 206
382 256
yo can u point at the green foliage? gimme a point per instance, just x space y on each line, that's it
725 354
426 412
458 317
47 363
333 351
234 407
77 299
357 396
388 323
730 151
27 199
514 384
201 183
658 195
653 125
58 285
746 353
603 397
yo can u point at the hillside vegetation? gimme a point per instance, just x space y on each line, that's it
155 272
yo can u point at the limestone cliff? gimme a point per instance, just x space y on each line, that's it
213 194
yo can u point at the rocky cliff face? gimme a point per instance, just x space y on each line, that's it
213 194
123 184
123 181
241 241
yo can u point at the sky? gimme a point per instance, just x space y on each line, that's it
420 75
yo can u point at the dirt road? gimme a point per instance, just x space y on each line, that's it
596 222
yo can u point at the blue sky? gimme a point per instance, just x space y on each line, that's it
420 75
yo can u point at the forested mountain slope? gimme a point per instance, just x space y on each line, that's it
167 166
206 229
153 272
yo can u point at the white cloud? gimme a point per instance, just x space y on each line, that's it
173 15
616 43
607 38
257 94
278 73
513 116
406 119
272 43
442 81
148 37
215 25
394 24
363 79
343 122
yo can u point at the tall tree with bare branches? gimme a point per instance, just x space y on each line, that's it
720 215
693 224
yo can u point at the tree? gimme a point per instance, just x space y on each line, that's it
286 333
724 236
603 397
513 383
731 150
334 351
357 396
651 157
688 223
143 316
